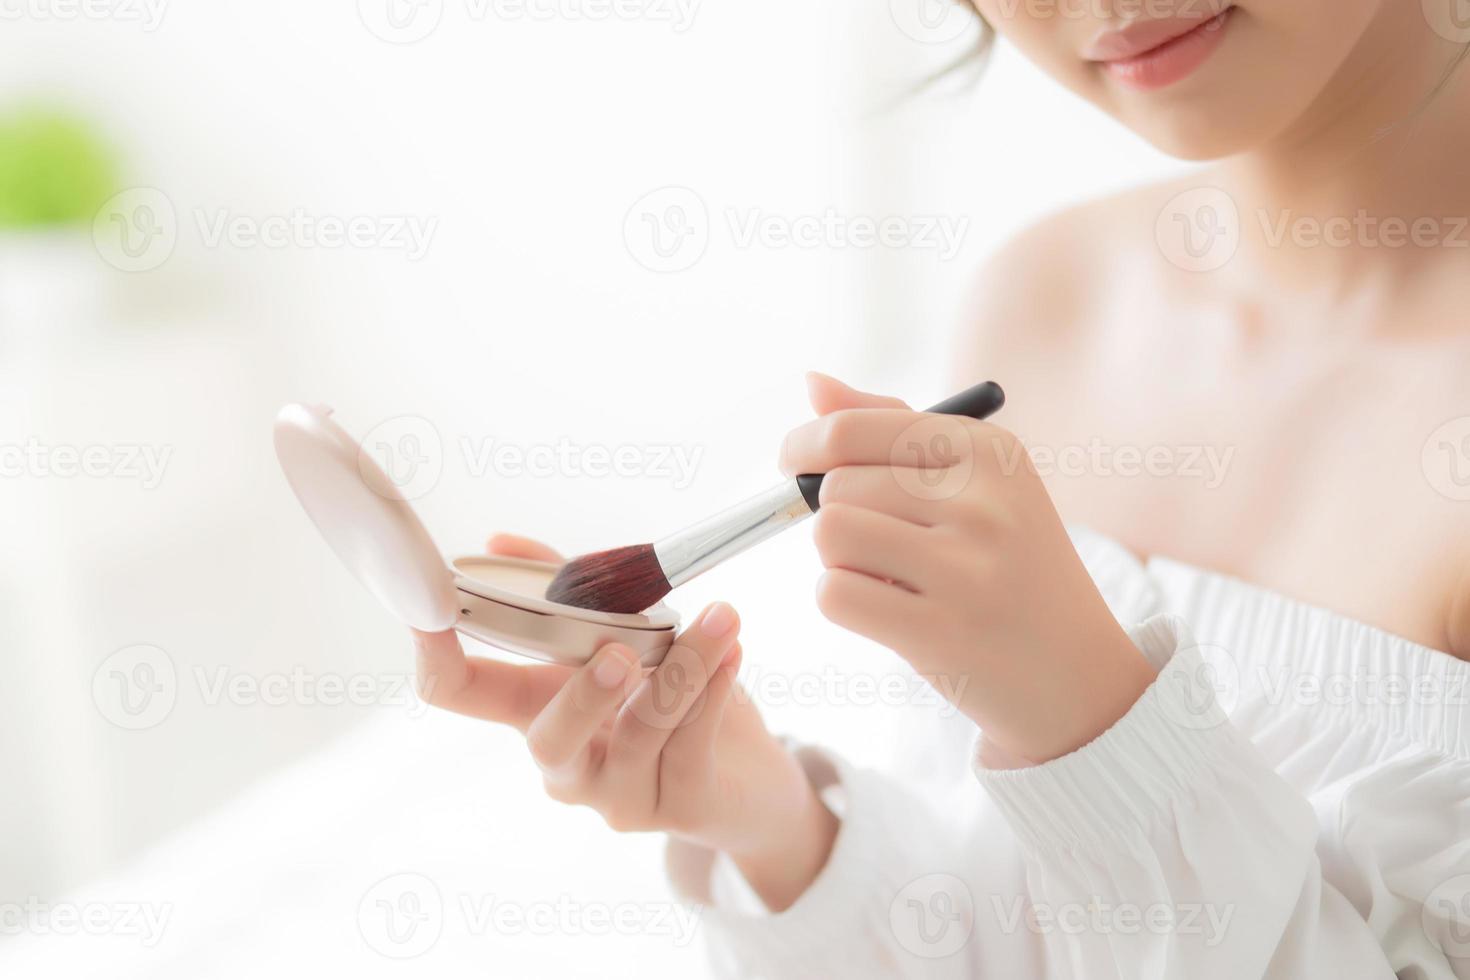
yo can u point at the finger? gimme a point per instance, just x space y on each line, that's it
875 436
883 613
560 737
690 752
510 694
664 700
515 546
872 543
695 742
904 492
829 395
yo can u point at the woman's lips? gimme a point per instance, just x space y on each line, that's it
1155 53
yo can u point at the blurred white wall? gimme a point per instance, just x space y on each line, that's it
539 312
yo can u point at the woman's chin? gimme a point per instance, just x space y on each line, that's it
1207 128
1199 139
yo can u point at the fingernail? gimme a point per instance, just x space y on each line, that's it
718 620
610 670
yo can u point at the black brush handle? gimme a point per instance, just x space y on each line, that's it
979 402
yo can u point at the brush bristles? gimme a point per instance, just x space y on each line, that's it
624 580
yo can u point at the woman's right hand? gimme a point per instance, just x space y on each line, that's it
679 748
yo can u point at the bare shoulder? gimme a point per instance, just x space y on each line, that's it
1044 290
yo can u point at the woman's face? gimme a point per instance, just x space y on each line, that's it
1203 79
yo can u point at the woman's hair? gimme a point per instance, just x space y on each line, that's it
987 33
976 57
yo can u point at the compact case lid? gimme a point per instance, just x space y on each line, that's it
364 518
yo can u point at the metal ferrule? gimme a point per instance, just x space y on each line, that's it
699 548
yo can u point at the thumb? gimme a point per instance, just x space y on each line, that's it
829 395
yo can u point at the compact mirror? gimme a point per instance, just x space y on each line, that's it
375 532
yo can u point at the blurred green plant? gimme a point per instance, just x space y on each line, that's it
54 170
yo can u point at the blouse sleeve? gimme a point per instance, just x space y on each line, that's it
1168 848
1165 848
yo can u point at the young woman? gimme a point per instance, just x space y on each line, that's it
1225 730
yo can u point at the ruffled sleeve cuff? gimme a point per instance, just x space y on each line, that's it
819 926
1110 792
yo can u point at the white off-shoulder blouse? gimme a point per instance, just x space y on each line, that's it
1289 799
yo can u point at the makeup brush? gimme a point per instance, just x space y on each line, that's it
630 579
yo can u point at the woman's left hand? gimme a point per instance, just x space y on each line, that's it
941 543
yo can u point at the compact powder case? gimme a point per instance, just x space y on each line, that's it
499 601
